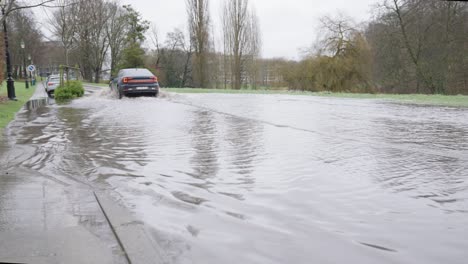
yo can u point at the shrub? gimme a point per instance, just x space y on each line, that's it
76 88
63 94
71 90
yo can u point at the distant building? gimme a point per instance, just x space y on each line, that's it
51 57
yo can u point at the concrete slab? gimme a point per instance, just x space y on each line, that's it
45 221
133 235
40 91
67 245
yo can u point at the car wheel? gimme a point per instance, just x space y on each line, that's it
50 94
120 94
156 94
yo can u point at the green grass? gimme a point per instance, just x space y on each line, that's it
8 109
97 84
422 99
440 100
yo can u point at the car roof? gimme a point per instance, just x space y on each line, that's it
136 72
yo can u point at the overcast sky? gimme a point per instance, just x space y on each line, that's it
286 26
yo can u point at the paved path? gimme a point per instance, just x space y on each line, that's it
59 219
40 91
45 220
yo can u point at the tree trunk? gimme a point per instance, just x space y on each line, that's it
97 75
427 81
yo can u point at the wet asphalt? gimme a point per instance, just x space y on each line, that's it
222 178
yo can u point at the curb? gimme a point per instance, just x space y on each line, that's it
131 234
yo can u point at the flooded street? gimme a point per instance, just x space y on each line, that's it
225 178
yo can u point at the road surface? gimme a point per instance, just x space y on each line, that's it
265 178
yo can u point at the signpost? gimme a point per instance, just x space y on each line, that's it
31 68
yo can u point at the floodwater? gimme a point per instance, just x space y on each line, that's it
266 178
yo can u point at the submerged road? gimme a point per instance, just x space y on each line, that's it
265 178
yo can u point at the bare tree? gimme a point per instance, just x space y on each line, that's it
255 48
64 25
241 37
226 70
116 32
199 23
413 44
91 37
13 5
22 28
177 46
339 62
100 40
336 35
188 50
155 42
154 37
420 45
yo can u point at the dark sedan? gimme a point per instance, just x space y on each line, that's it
135 82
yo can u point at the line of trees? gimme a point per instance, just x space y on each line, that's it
199 28
421 46
241 41
22 27
101 34
98 33
412 46
195 62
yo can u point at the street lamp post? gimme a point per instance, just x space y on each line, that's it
10 82
24 65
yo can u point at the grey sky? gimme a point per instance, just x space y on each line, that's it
286 26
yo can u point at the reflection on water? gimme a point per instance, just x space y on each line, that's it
36 103
266 179
244 139
203 132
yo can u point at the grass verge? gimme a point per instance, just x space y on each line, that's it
97 84
422 99
9 108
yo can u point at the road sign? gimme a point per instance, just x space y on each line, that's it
31 68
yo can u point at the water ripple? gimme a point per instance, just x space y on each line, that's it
268 179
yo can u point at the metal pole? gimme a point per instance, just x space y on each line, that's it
24 69
30 62
10 81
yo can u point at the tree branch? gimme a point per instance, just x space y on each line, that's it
12 6
43 3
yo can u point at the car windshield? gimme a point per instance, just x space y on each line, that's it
137 72
234 131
